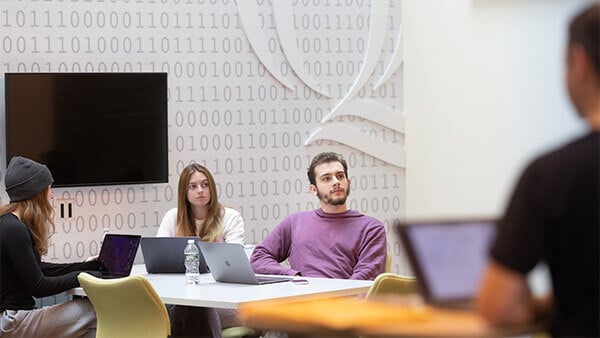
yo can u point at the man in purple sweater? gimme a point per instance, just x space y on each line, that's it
331 241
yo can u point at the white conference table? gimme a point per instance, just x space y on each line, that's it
171 289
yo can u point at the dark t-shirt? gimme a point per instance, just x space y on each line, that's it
554 216
22 273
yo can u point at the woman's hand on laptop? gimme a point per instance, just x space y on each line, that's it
92 258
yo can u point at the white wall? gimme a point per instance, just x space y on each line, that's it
484 92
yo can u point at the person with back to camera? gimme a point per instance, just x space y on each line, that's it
332 241
199 213
554 214
26 224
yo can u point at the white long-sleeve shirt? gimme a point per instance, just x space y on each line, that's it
233 226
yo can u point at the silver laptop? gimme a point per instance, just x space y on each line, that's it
448 257
228 263
165 254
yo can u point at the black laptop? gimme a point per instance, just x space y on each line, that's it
448 257
165 254
117 254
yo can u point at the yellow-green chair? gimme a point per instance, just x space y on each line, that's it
126 307
389 283
239 332
388 262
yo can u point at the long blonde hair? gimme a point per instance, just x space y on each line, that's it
186 224
38 215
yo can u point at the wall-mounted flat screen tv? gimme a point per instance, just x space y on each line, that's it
90 128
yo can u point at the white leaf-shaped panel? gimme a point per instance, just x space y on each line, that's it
283 12
248 11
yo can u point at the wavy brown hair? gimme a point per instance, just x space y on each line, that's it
38 215
186 225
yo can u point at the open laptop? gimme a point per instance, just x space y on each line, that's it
228 263
165 254
117 254
448 257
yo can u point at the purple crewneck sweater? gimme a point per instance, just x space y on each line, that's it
347 245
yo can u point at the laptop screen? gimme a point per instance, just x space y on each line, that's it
118 253
448 257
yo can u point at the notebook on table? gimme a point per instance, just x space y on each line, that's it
165 254
448 257
117 255
229 263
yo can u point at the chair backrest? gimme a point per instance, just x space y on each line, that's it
389 283
388 262
126 307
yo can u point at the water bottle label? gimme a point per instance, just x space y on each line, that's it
191 259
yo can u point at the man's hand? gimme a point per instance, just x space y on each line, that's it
504 297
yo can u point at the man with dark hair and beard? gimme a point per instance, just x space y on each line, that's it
332 241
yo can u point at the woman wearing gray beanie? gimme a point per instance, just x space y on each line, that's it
26 224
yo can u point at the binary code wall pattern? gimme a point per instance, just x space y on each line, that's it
256 88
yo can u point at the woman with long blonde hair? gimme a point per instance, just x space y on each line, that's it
26 224
199 213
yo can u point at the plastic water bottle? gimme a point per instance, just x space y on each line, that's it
192 260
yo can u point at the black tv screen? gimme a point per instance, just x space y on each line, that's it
90 128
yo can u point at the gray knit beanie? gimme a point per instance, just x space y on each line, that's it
25 178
